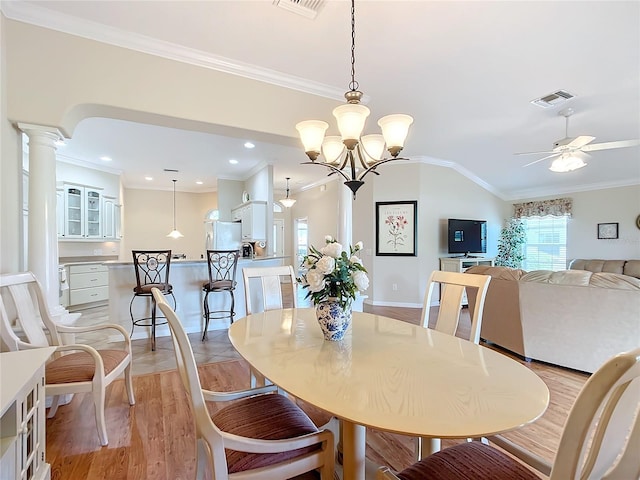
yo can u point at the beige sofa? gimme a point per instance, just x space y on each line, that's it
572 318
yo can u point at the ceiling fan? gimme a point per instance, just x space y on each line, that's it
570 151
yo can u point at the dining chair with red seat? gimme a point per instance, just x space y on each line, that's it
600 439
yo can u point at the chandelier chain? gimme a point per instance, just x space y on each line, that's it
353 86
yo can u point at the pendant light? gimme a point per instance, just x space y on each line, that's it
353 155
288 202
174 233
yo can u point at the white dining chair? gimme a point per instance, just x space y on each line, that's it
267 288
74 368
452 287
260 434
600 439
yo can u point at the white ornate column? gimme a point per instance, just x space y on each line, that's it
42 258
345 215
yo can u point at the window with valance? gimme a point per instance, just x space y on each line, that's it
545 223
558 207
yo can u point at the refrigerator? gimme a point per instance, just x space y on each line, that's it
223 235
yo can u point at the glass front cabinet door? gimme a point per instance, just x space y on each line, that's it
82 212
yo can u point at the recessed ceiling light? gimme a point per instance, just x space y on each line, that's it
104 158
233 161
199 182
249 145
148 178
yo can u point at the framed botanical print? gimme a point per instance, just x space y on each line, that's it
396 232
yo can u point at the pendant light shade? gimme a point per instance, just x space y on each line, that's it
175 233
287 201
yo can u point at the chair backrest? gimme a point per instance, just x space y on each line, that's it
222 265
188 370
601 438
23 304
452 288
277 284
151 266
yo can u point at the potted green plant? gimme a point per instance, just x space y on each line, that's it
513 236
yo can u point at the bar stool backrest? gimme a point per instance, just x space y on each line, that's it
222 265
151 268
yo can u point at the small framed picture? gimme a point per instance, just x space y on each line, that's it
607 230
396 232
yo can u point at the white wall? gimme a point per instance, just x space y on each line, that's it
11 251
441 193
613 205
149 218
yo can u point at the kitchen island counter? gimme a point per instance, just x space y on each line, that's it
186 277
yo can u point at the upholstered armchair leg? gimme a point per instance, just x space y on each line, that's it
55 403
98 400
129 384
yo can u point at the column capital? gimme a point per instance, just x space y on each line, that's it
31 129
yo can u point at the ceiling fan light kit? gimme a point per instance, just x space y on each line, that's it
352 155
569 150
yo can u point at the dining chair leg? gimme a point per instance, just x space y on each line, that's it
426 446
98 400
233 305
55 403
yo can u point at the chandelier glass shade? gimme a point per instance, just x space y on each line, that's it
175 233
567 163
352 155
287 201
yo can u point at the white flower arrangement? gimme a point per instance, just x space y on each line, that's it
332 273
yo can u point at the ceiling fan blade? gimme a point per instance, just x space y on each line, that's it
534 153
580 141
610 145
541 159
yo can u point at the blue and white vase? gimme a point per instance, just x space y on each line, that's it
333 319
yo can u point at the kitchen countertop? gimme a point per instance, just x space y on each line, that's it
196 260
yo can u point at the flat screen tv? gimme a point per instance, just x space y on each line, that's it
467 236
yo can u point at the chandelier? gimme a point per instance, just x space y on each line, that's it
352 155
175 233
288 202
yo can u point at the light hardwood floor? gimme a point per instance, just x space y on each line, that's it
155 439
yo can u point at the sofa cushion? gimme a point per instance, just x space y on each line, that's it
632 268
616 281
595 265
563 277
499 273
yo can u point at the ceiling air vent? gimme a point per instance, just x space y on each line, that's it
553 99
306 8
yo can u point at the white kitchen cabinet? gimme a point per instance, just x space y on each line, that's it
22 415
253 216
111 218
88 283
82 212
461 264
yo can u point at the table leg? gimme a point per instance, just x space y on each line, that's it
354 444
426 446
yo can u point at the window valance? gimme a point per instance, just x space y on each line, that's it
558 207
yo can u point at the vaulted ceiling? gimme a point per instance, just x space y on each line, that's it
466 71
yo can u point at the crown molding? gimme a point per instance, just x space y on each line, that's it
43 17
61 157
546 192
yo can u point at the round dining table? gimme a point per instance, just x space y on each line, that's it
390 375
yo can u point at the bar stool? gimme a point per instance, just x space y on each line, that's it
222 266
152 270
